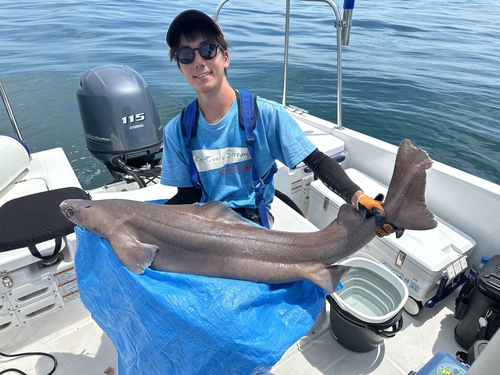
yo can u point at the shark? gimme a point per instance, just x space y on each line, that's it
212 240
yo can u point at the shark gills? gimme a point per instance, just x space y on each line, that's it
212 240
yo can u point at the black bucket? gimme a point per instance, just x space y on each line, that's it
369 307
359 336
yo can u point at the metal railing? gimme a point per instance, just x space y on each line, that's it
10 113
343 32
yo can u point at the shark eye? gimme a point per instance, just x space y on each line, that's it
70 212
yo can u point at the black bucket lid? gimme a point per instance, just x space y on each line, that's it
488 280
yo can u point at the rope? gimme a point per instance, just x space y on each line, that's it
26 354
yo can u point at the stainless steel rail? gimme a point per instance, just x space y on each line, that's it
339 26
10 113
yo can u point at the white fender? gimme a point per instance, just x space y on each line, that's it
14 159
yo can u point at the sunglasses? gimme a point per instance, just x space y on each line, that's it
207 52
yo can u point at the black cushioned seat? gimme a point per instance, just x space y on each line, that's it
36 218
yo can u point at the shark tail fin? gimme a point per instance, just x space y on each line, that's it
330 278
405 202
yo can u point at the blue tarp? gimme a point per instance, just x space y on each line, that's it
168 323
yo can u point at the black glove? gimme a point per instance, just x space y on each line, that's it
368 207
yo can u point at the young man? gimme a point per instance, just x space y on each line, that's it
219 147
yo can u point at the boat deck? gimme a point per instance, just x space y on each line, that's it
84 349
420 339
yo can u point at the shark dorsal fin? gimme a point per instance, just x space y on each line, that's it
218 211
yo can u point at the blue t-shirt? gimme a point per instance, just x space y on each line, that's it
222 158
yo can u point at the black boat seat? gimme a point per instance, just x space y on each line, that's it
36 218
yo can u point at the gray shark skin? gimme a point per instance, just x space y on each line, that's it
212 240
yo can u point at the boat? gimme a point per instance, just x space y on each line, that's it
40 305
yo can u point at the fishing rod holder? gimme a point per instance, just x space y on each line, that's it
347 21
341 23
343 30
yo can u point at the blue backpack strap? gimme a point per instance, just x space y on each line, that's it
247 119
189 120
247 114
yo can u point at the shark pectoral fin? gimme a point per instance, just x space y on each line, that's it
134 255
329 279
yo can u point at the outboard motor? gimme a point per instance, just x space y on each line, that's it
121 124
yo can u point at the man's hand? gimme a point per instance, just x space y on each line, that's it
368 207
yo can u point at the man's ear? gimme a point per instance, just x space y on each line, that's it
226 59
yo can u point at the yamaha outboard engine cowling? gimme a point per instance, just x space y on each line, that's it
121 123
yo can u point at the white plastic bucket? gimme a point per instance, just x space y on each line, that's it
371 292
15 158
369 306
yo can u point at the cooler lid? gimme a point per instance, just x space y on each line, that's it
488 280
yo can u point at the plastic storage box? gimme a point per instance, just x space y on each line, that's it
420 258
296 183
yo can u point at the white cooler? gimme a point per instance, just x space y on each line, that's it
296 183
420 258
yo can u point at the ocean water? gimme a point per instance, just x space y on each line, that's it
423 70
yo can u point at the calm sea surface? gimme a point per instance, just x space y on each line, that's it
424 70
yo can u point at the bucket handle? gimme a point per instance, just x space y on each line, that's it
396 327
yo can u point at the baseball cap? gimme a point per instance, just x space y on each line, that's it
190 16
